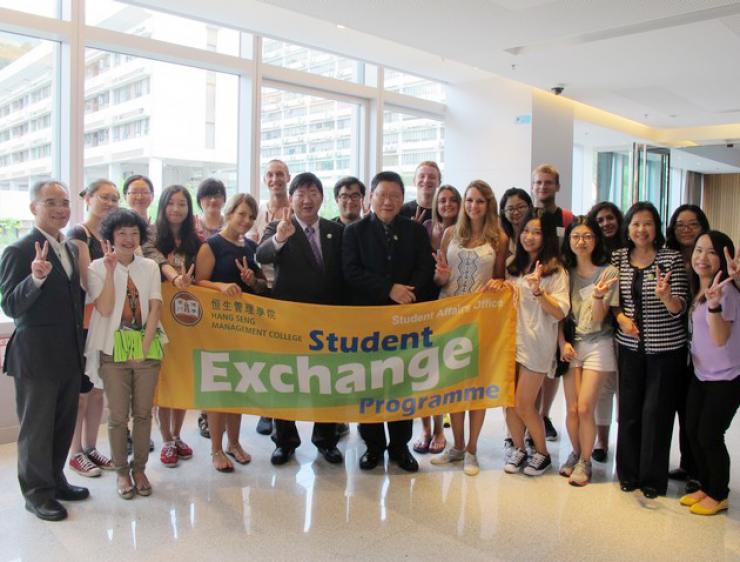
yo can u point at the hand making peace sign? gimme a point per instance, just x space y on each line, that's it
285 228
185 278
246 274
40 266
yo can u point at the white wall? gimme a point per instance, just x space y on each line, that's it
482 137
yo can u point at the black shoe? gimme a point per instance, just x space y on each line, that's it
281 455
405 460
49 510
342 429
678 474
331 454
370 460
599 455
649 492
628 486
203 426
550 433
264 426
692 486
129 442
151 445
71 493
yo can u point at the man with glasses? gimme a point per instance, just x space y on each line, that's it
40 286
349 193
387 260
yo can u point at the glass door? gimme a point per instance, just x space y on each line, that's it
651 176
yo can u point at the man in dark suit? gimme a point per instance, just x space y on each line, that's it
40 285
387 260
307 253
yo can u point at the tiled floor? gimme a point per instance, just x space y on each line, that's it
310 510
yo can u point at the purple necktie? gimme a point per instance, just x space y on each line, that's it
314 246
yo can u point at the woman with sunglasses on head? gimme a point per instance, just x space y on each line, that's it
714 392
591 354
473 252
101 197
609 218
174 248
226 263
653 293
542 285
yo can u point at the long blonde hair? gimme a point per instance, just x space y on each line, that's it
491 227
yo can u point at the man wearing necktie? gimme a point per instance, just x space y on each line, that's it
40 286
306 251
387 260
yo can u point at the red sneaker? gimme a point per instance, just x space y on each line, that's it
84 466
183 449
99 459
168 456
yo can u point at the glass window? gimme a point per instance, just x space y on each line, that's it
142 129
296 57
135 20
48 8
323 138
28 73
415 86
408 140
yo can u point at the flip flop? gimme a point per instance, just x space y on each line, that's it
422 445
239 455
436 446
228 468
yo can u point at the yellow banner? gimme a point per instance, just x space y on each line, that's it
299 361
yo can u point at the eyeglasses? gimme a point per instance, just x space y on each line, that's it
688 226
515 209
582 237
55 203
350 196
108 198
139 193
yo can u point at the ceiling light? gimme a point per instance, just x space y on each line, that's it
340 26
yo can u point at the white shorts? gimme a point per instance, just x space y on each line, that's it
595 356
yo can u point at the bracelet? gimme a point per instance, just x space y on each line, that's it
716 310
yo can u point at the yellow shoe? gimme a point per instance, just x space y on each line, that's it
690 499
697 509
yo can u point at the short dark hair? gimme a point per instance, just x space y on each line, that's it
120 218
616 211
305 179
137 177
511 192
387 176
348 181
637 208
598 255
670 232
36 188
209 187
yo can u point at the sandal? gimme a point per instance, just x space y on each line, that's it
437 444
203 425
422 444
127 492
238 454
145 489
220 456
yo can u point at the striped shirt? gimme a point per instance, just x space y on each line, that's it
660 330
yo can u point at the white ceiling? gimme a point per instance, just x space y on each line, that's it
664 63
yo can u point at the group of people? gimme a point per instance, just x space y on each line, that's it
604 301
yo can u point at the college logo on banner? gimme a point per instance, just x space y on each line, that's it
329 363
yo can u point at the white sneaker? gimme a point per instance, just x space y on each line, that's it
581 474
516 461
508 448
567 467
470 465
538 464
448 456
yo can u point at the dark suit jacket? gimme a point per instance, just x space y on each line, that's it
298 277
47 341
371 266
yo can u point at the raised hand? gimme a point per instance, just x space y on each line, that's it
442 269
246 274
662 285
733 264
714 292
419 215
534 278
185 278
109 256
40 266
601 288
402 294
285 228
